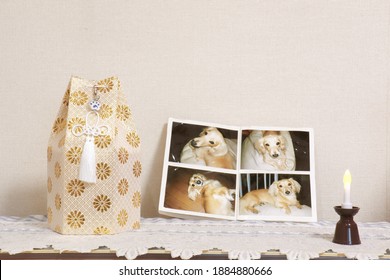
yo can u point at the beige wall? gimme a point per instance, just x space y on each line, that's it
320 64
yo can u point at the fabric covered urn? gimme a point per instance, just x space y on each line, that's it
94 167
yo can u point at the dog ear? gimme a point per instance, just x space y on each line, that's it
259 146
273 189
283 142
297 186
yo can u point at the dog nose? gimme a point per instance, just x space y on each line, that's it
193 143
275 155
287 192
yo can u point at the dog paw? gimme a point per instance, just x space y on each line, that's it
288 210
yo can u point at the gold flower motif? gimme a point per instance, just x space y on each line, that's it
133 139
123 112
102 203
137 169
49 153
123 186
78 98
49 185
76 121
57 201
49 215
136 225
74 155
105 85
123 155
105 111
103 171
57 170
102 141
101 230
75 219
75 187
61 143
136 199
59 125
65 100
122 218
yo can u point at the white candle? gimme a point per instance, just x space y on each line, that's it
347 190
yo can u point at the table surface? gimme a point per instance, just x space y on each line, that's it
29 237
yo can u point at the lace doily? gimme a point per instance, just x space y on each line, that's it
187 238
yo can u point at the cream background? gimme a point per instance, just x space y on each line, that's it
320 64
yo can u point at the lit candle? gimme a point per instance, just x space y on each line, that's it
347 190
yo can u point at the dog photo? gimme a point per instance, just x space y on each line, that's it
286 196
228 172
275 150
199 192
203 145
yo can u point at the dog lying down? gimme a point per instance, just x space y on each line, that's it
210 149
268 150
281 194
217 199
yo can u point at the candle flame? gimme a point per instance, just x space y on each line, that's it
347 177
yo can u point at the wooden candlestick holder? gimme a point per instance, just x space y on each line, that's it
346 231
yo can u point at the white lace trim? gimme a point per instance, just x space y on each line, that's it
188 238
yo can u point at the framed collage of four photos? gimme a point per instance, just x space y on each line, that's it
248 173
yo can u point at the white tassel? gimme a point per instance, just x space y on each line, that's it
87 171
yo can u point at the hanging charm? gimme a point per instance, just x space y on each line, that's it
87 171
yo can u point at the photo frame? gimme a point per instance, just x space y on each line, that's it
238 173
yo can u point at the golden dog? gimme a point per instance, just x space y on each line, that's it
281 194
211 147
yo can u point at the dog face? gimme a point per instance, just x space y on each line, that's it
273 145
209 137
287 188
195 185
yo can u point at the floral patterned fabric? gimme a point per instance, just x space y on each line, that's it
112 204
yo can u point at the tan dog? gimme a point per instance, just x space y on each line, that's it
273 148
211 147
217 199
280 194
